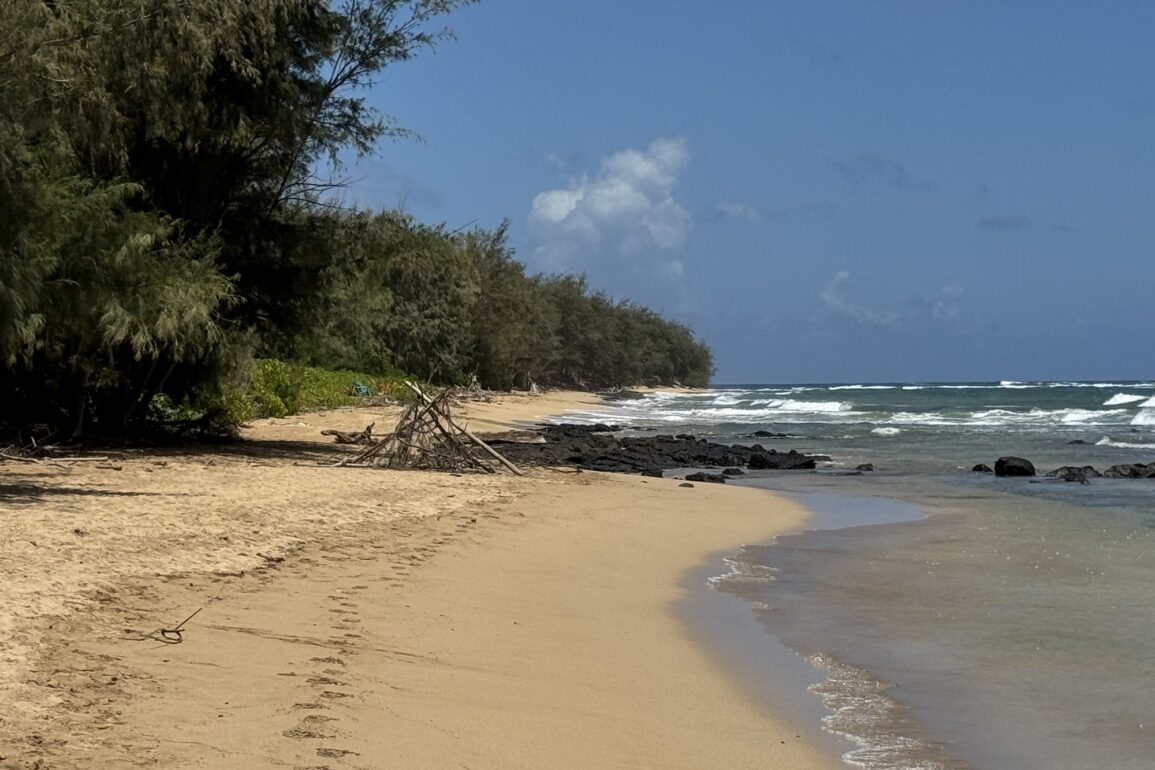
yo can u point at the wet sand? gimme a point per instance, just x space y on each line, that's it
368 618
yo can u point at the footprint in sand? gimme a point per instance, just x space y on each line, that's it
336 753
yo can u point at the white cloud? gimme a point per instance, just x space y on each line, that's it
626 210
947 307
835 296
836 300
739 211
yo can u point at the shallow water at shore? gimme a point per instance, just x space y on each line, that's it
997 632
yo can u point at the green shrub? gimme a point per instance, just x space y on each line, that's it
278 388
274 388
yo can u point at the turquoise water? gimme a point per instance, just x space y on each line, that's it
957 620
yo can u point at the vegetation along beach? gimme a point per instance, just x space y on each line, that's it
452 384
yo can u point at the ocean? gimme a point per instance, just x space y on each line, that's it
953 620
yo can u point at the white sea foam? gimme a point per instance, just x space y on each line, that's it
742 571
886 431
1145 417
998 417
862 387
1108 441
1148 404
863 713
793 405
1123 398
1069 416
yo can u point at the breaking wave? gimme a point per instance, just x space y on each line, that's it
1119 399
1108 441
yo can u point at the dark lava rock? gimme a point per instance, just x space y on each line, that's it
865 467
713 478
594 447
686 484
577 429
1071 473
982 468
792 461
733 472
1078 442
1133 471
770 434
653 473
1087 470
1014 466
620 395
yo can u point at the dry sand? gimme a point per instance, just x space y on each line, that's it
365 618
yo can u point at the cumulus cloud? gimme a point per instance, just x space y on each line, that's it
836 298
944 307
626 209
837 302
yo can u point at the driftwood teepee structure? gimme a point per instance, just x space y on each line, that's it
427 438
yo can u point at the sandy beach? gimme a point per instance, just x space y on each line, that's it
350 617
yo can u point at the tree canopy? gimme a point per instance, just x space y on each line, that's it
164 173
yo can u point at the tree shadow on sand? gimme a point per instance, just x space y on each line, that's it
272 450
23 493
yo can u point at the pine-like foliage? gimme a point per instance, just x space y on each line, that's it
158 164
165 167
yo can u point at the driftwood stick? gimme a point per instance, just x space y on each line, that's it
493 452
84 459
352 437
18 458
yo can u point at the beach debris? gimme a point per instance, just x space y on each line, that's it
364 436
428 438
9 454
174 635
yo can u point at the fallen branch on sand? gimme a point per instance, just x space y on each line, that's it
352 437
18 458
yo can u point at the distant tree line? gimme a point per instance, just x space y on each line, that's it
162 220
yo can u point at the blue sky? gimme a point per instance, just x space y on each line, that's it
824 191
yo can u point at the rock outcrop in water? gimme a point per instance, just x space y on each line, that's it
1133 471
594 447
1071 473
1083 473
1014 466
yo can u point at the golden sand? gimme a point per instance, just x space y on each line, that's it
364 618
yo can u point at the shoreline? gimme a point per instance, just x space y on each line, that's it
372 618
